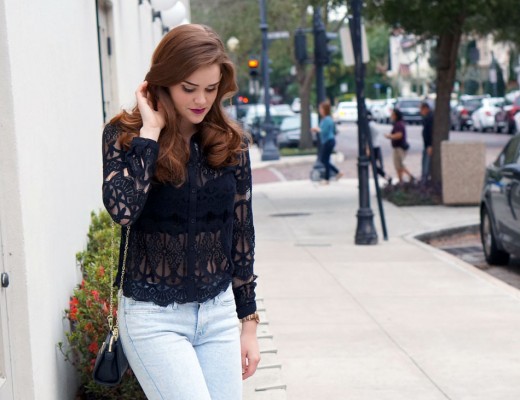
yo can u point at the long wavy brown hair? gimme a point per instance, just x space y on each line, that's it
179 54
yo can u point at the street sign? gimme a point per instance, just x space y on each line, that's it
278 35
347 49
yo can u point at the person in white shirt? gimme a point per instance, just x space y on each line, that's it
375 134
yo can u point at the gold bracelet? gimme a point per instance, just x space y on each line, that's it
251 317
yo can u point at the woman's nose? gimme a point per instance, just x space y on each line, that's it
200 98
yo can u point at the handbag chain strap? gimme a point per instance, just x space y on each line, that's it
114 327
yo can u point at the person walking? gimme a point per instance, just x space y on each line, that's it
376 146
177 174
327 138
399 145
427 132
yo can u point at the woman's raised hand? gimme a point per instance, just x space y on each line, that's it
153 121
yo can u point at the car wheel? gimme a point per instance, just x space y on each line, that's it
493 255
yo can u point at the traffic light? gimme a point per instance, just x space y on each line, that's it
253 64
300 46
322 49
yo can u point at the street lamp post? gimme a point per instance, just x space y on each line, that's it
493 77
232 45
365 230
270 149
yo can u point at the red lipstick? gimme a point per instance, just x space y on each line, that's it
197 111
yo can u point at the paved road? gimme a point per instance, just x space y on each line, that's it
347 146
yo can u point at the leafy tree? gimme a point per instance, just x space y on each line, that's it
446 21
241 19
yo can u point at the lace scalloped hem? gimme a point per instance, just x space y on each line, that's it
169 295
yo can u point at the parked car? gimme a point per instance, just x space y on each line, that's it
290 130
381 113
483 118
255 116
346 111
461 113
374 103
500 206
516 122
506 118
410 108
296 105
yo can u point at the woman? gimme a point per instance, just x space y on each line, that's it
376 146
327 132
177 171
399 145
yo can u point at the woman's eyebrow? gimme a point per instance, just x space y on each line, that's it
194 84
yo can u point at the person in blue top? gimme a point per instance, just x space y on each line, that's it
327 132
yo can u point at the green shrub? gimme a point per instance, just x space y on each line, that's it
88 310
413 194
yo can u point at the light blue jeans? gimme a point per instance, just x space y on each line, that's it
184 351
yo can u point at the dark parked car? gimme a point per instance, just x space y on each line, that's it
411 109
505 119
461 113
500 206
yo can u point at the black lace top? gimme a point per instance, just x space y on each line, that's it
186 243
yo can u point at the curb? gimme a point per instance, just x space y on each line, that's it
426 237
453 260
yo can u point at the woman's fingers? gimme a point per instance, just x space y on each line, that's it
249 365
151 118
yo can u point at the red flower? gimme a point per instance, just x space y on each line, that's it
101 272
93 348
73 303
95 293
89 327
73 314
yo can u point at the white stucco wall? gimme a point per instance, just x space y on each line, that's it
57 118
50 165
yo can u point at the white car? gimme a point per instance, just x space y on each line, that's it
346 111
381 113
484 117
296 105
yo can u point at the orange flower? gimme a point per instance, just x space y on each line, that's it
101 271
93 348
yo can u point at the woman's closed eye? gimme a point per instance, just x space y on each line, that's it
191 90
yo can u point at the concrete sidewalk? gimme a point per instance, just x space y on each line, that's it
398 320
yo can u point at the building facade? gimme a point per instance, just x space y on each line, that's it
66 68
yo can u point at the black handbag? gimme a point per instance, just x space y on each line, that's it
111 362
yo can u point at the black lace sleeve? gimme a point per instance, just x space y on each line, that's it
126 175
243 249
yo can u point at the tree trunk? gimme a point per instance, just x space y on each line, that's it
447 50
306 77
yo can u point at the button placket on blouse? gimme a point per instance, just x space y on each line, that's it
192 208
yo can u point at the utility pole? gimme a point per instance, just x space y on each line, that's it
270 149
365 231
